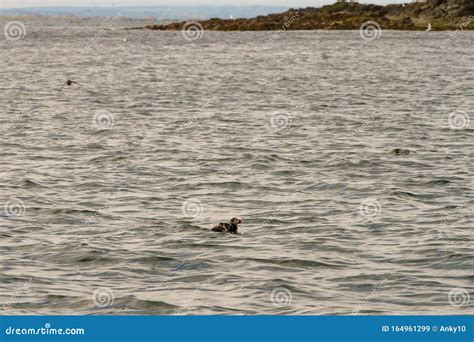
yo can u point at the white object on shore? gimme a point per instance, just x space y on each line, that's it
429 27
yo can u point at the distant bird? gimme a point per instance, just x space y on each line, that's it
227 227
429 27
125 39
67 83
401 152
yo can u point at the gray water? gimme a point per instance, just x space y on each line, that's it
109 189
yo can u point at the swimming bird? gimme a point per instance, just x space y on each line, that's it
401 152
227 227
68 83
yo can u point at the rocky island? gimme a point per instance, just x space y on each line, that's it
343 15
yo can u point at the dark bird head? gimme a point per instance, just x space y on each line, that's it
235 221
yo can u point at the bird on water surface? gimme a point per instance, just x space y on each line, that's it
228 227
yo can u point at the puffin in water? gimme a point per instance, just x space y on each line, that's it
227 227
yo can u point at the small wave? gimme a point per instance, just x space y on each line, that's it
406 194
31 184
141 304
439 182
295 262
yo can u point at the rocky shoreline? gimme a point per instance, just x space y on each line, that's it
439 14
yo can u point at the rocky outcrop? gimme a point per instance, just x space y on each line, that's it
441 14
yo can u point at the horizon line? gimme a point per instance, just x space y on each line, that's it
324 3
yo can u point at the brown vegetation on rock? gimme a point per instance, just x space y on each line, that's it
442 14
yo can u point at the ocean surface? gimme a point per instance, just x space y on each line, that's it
349 160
